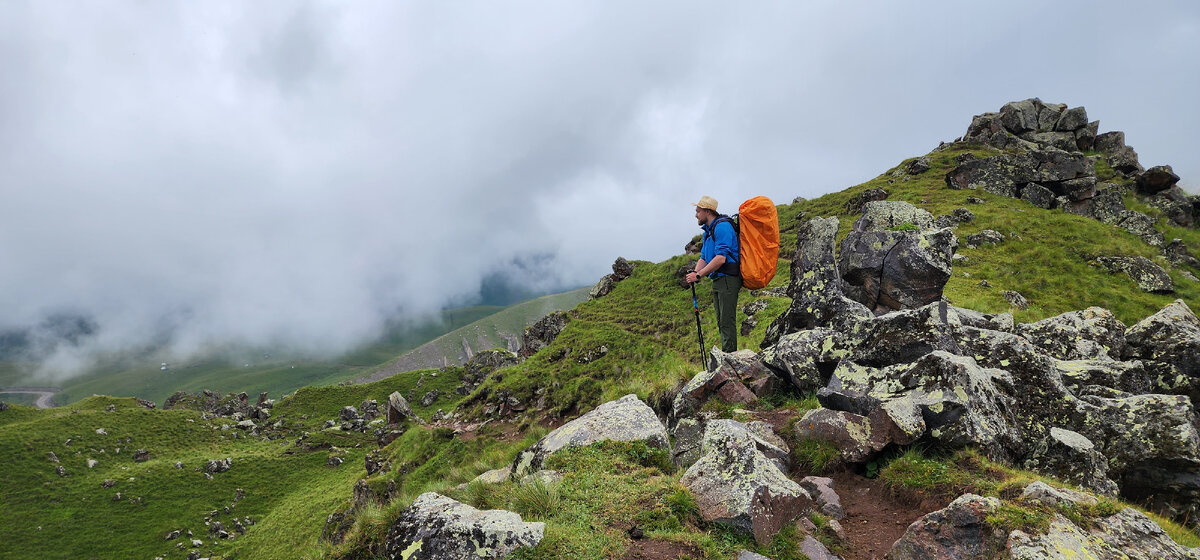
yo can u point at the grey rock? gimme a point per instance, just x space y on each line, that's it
1015 299
625 419
435 527
985 237
883 215
814 550
975 200
1140 225
827 500
1148 276
1171 336
348 413
816 286
917 166
1020 116
1071 457
1078 335
1058 140
1071 120
1178 254
430 398
1085 138
622 269
1039 492
545 476
1156 179
141 456
213 466
744 554
1038 195
688 434
399 410
603 287
802 357
1127 534
369 409
959 530
892 270
736 485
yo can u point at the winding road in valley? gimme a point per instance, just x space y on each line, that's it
45 398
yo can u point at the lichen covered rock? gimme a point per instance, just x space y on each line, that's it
625 419
435 527
737 485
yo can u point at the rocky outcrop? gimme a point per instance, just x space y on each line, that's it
1046 168
435 527
482 364
540 334
816 286
625 419
737 485
622 269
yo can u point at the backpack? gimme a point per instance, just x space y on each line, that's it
756 226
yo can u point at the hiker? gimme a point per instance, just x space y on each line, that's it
719 261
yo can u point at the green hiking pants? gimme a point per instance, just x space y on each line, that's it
725 296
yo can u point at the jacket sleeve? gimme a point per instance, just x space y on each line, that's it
724 240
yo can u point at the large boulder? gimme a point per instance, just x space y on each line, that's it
887 269
1120 157
737 485
625 419
1171 336
483 364
806 358
435 527
1078 335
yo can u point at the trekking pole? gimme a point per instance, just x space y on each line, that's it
699 331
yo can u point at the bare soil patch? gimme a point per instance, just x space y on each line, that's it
655 549
875 517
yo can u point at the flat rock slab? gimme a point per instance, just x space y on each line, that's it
435 527
625 419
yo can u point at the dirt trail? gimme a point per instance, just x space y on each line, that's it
874 518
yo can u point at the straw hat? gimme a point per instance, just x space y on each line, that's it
707 202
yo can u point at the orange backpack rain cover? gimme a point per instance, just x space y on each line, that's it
758 241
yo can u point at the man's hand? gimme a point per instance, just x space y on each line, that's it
692 278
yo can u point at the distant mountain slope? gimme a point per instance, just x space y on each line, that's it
499 330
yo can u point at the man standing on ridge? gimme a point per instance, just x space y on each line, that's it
719 261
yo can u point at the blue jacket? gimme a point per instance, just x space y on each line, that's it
719 239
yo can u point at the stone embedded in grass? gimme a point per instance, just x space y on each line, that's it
1069 456
814 550
625 419
399 410
1015 299
1148 276
435 527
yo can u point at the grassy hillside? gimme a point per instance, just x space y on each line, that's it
499 330
640 338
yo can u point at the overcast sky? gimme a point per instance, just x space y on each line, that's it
294 172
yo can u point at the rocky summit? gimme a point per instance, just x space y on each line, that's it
988 351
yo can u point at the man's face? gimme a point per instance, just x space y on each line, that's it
701 216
